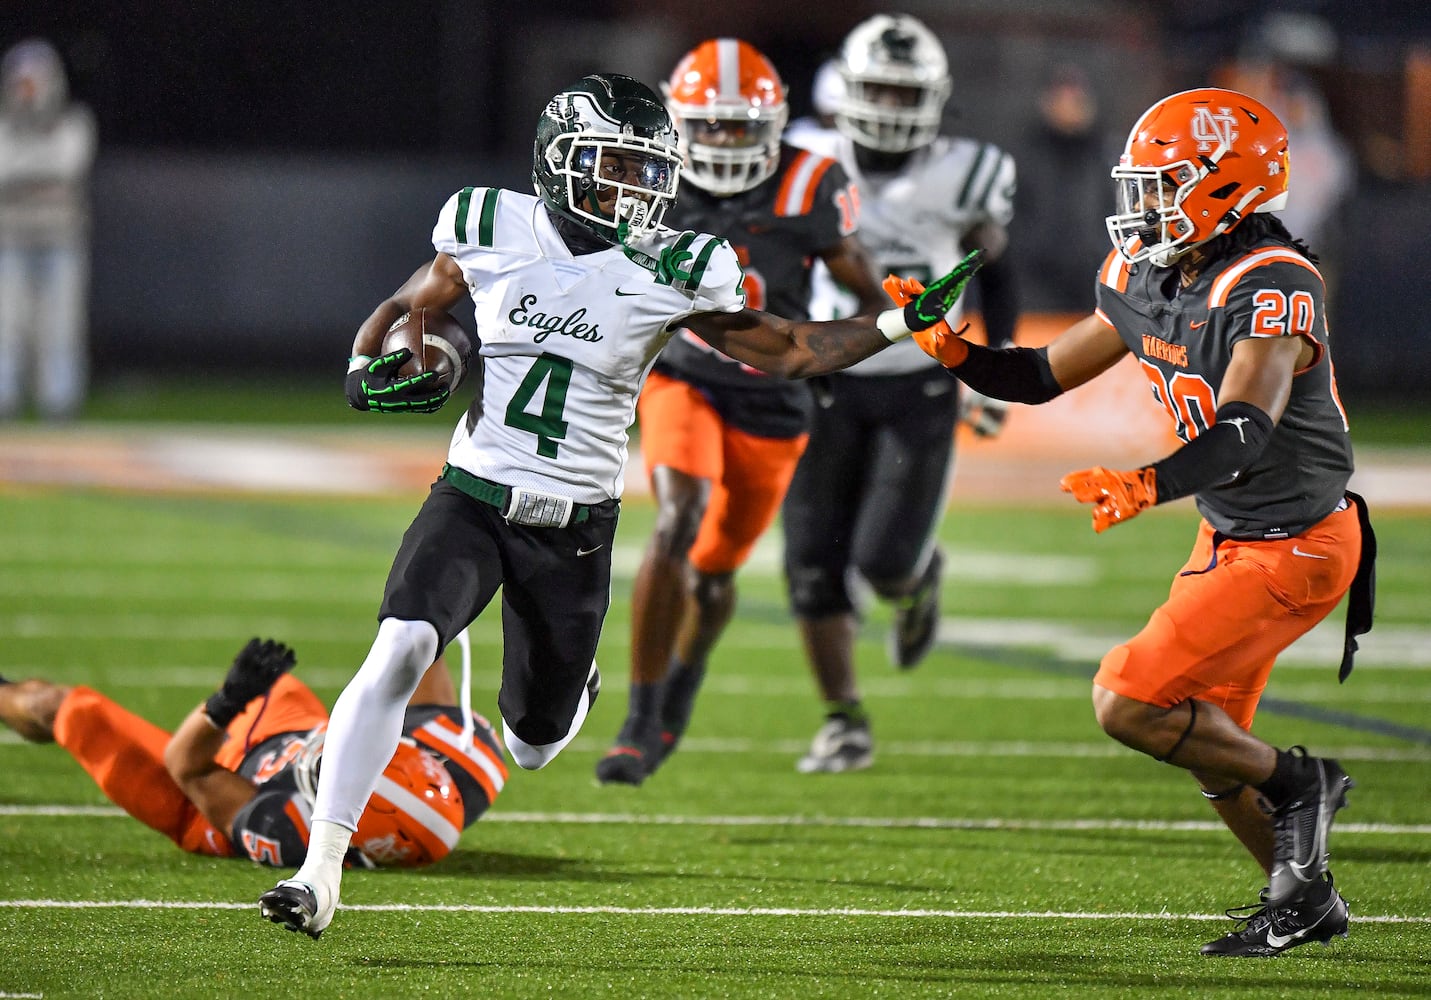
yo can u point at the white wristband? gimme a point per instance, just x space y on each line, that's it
358 361
891 324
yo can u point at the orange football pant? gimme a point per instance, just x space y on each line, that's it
124 754
748 474
1227 619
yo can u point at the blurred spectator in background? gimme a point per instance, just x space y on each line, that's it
1064 194
47 146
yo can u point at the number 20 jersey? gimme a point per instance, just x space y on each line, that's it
1184 345
566 340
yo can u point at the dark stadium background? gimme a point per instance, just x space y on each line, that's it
269 171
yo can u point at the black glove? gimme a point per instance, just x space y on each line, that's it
933 304
378 386
256 669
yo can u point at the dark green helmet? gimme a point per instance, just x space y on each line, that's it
605 154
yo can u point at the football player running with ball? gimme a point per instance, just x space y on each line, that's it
720 438
870 490
1224 311
577 289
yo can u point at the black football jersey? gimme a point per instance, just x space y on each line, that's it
272 828
1183 339
777 230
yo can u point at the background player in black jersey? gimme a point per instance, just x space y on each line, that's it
721 439
236 778
867 497
1224 311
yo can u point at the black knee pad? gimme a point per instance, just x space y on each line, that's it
817 592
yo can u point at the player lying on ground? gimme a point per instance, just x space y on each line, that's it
236 779
1224 311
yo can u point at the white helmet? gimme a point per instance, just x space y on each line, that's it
885 52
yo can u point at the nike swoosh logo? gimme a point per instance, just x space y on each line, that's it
587 552
1197 326
1278 941
1307 555
620 292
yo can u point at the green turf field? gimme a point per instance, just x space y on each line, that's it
1000 846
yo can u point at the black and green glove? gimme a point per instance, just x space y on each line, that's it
938 298
374 384
255 670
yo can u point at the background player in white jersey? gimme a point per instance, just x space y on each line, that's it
871 487
576 291
720 438
1225 312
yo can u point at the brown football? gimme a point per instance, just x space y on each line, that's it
437 341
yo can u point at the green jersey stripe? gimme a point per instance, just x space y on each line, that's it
985 151
464 202
698 269
487 224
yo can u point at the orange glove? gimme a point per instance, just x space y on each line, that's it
939 342
1116 496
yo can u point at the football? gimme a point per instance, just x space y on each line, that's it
437 341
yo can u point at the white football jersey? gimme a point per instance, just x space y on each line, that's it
566 340
913 223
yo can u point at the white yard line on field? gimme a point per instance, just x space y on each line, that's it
860 822
663 911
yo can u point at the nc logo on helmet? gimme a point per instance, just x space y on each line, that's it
1213 130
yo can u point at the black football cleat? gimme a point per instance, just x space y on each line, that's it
624 764
295 906
634 755
1300 828
916 618
1270 930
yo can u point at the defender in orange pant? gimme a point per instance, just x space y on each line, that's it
236 777
1224 311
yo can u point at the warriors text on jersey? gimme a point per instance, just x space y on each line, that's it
272 827
567 340
1184 340
913 223
776 229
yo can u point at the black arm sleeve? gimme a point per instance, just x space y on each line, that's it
1017 374
998 300
1216 455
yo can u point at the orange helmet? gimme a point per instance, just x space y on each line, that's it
415 814
730 111
1195 165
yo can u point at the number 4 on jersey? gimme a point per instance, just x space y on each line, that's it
548 426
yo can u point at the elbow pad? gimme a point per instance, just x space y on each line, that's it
1015 374
1217 455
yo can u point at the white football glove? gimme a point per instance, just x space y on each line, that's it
985 415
